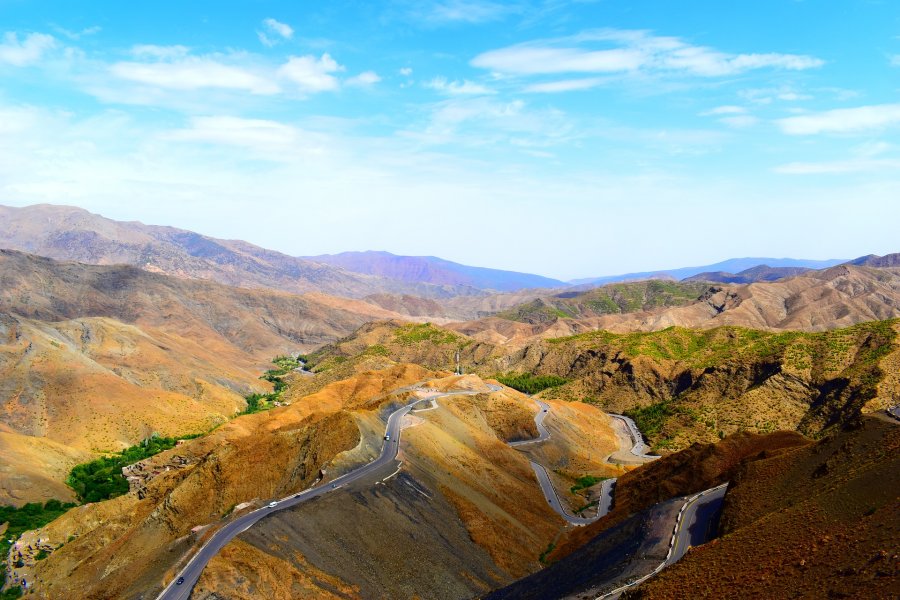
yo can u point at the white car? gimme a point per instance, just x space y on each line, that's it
273 504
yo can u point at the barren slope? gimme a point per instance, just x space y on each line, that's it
69 233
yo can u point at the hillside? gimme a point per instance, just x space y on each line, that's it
815 301
97 358
681 385
751 275
732 265
430 269
69 233
464 502
821 521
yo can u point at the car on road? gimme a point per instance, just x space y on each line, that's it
334 486
273 504
387 437
179 581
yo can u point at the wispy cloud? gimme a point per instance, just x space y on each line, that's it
565 85
27 51
725 110
458 88
840 167
274 32
843 120
364 79
181 72
311 74
461 11
628 51
77 35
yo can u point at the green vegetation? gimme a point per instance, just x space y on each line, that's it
425 332
609 299
102 479
825 352
584 482
530 384
650 419
543 557
30 516
260 402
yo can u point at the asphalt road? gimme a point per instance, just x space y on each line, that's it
191 572
639 448
543 477
693 526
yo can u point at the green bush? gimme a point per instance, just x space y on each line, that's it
102 479
530 384
584 482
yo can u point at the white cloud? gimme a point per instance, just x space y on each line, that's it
841 167
843 120
457 88
740 121
77 35
725 110
194 73
27 51
312 74
533 60
463 11
565 85
769 95
365 78
275 31
235 131
627 51
159 52
406 71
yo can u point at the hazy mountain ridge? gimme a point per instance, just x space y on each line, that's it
431 269
731 265
751 275
69 233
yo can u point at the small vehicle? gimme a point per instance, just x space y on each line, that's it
387 438
334 486
179 581
545 410
273 504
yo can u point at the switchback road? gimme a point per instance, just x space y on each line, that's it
191 572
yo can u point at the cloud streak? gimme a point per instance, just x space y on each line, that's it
860 119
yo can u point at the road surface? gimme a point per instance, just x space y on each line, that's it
543 476
191 572
639 448
693 526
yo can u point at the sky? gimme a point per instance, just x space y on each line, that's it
570 139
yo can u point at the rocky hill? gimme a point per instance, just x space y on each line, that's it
464 506
681 385
97 358
815 301
821 521
69 233
751 275
430 269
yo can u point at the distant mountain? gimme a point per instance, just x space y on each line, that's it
881 262
430 269
732 265
70 233
752 275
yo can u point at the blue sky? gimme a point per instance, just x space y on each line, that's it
570 139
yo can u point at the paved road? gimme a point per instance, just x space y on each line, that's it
639 448
191 572
543 476
693 526
894 411
543 433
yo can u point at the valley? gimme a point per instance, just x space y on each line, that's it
564 443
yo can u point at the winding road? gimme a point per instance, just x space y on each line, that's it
693 526
191 572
